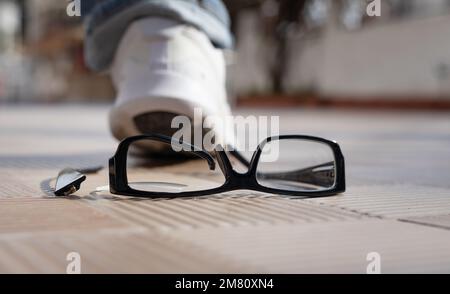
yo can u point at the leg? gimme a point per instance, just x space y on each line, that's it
165 60
107 20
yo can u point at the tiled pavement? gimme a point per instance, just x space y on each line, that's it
397 203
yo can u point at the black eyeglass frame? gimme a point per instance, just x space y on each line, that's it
233 180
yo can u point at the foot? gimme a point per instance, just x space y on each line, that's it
164 69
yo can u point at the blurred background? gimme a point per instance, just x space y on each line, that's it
288 52
380 86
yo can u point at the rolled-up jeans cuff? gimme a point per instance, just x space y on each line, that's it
108 21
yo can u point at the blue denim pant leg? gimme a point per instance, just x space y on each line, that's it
107 20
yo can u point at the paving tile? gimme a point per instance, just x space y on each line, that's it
397 202
437 221
338 247
392 201
19 216
116 252
244 209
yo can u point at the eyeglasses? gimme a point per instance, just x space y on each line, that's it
291 165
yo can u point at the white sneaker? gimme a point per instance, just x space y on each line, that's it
163 69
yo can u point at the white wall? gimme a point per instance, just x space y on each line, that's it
392 58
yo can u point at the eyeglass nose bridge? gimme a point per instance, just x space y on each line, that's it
242 181
233 179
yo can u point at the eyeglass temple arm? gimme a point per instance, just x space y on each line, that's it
321 175
236 154
186 146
